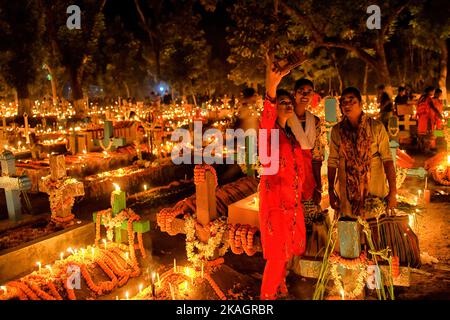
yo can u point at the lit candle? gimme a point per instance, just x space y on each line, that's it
39 265
104 242
5 291
93 252
61 256
140 288
127 256
145 187
49 268
342 294
118 200
126 295
171 291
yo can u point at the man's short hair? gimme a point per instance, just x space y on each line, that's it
353 90
248 92
302 82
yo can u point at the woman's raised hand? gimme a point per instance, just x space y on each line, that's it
273 75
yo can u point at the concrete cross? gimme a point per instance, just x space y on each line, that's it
61 189
109 142
12 185
407 122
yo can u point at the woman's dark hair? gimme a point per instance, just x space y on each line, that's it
302 82
353 90
401 89
284 93
429 89
248 92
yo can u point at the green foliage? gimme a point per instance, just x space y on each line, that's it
20 47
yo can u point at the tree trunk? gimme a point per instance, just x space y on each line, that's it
77 93
127 89
442 80
366 75
383 70
53 84
23 97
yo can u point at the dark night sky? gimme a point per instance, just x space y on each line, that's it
213 23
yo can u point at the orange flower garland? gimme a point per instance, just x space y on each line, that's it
241 239
200 173
63 220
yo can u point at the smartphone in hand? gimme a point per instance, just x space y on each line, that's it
291 61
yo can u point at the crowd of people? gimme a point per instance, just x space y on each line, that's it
360 165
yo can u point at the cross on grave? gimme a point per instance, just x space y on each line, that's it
109 142
119 203
12 184
27 128
150 130
206 207
61 189
407 122
79 142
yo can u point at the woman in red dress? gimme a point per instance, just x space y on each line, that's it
282 224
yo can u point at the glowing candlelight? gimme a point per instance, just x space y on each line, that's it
49 268
126 295
116 186
145 187
172 293
5 291
39 265
448 159
127 256
104 242
61 256
342 294
140 287
71 251
93 252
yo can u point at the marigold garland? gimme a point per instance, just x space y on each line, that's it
206 251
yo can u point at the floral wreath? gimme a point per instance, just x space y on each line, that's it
205 251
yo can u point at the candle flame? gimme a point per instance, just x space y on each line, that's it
448 159
342 294
116 186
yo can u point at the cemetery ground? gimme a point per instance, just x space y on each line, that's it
240 276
